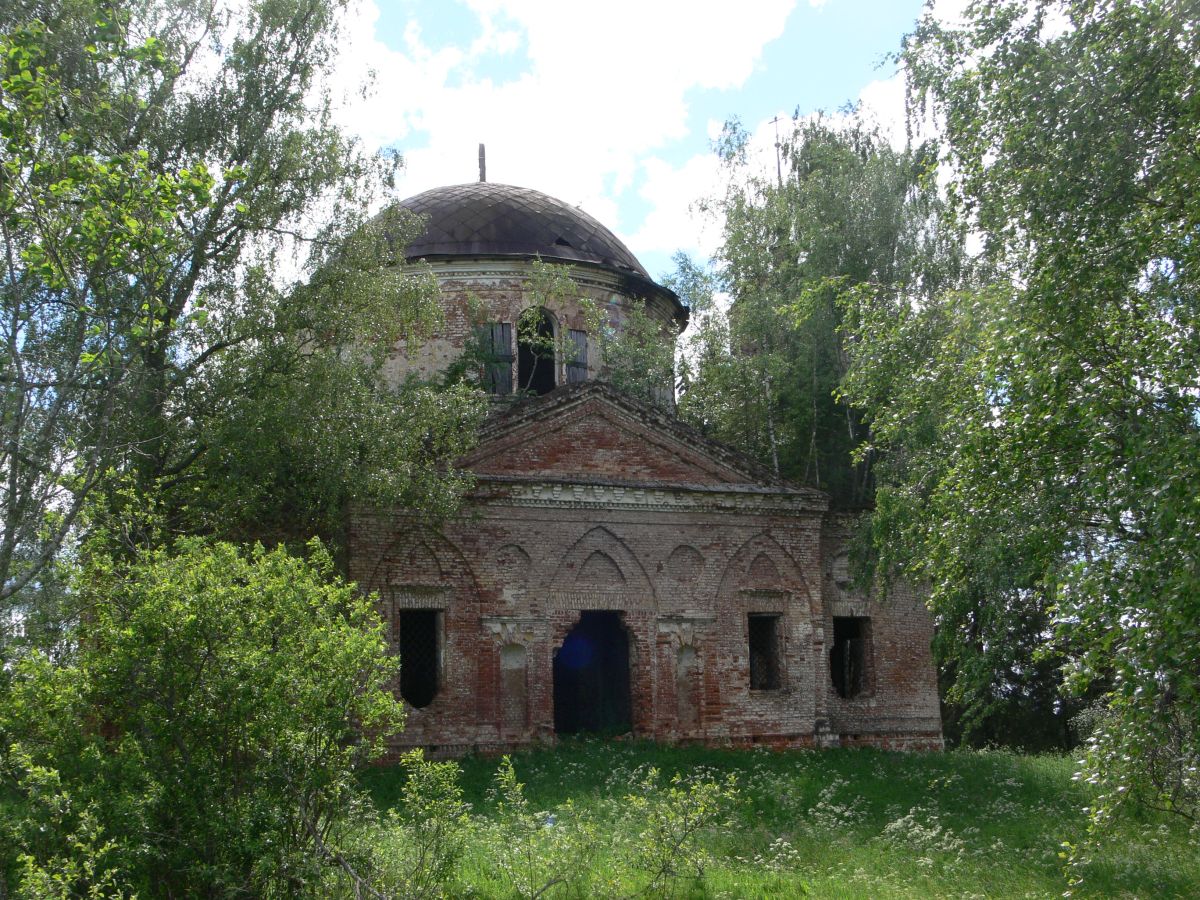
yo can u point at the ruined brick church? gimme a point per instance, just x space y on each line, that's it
614 571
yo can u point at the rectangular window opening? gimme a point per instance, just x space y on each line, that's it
420 653
764 652
849 655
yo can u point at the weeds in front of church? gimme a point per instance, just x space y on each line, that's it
609 819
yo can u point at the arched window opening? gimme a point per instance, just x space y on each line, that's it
420 655
535 352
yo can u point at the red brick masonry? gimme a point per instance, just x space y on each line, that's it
587 500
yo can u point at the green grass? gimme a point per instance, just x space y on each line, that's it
848 823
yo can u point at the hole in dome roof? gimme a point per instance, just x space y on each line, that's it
562 242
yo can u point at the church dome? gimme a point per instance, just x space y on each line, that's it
485 219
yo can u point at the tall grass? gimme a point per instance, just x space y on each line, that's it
841 823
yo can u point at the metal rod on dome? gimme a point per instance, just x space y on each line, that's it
482 165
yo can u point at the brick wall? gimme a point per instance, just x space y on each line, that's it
685 547
474 292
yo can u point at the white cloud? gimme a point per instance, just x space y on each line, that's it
605 88
597 96
676 194
673 192
951 12
882 103
675 222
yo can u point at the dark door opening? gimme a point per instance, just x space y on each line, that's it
591 677
535 352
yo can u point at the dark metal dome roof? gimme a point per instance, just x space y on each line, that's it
485 219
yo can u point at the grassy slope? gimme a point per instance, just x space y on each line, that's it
863 823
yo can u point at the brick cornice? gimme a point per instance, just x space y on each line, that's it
531 492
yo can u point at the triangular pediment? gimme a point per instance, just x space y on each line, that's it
592 433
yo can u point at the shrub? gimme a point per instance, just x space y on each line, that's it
672 821
415 852
537 851
203 732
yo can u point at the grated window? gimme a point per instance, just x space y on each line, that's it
578 362
419 653
764 652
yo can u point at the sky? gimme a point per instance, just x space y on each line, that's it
612 106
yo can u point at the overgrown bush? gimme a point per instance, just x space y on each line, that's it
668 823
201 735
638 834
414 852
642 842
536 850
69 855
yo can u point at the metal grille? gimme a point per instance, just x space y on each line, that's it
419 656
764 652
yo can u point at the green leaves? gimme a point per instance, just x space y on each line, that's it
152 241
639 359
849 221
210 721
1041 432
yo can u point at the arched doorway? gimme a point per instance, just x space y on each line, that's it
535 352
591 677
